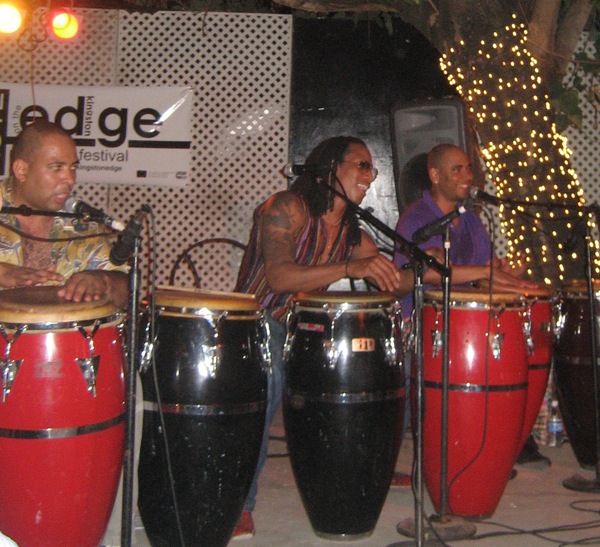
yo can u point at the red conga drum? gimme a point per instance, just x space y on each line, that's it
573 372
539 335
487 395
62 411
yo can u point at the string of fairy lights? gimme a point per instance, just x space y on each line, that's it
526 158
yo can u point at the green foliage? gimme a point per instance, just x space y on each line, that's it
567 97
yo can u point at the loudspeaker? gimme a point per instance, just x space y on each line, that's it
417 127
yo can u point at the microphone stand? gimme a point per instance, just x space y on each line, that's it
25 211
420 258
129 453
577 482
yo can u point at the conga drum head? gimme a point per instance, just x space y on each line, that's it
577 288
473 297
539 292
41 306
346 299
196 302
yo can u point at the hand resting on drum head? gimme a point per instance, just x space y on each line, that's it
93 285
87 286
12 276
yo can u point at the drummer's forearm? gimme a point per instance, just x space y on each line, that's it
118 287
291 277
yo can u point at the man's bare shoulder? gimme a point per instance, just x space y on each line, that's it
284 210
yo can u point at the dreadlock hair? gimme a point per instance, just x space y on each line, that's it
313 184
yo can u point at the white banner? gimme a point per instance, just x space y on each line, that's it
124 135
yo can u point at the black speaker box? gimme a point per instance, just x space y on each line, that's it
417 127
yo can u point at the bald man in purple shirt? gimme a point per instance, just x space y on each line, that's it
471 250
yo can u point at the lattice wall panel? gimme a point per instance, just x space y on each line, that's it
585 142
239 67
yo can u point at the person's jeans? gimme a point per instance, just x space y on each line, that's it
277 334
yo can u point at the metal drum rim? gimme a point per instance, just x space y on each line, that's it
344 300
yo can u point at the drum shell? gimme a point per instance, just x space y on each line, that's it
343 417
214 416
61 446
539 361
573 371
486 405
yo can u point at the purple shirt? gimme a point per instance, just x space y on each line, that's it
470 243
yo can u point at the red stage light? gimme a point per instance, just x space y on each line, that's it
64 25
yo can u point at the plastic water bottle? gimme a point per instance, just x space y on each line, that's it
555 426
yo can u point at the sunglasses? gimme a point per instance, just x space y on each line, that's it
364 166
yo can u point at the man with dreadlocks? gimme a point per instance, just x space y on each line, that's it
304 239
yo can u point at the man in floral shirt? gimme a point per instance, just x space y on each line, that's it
38 250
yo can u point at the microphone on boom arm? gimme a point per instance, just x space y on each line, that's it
437 226
295 169
477 194
89 213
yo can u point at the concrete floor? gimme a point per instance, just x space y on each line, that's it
535 508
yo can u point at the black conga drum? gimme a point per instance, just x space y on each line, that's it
204 407
343 407
573 373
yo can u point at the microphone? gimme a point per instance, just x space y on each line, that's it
476 193
295 169
87 212
123 248
435 227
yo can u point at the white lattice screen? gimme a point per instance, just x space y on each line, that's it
239 66
584 142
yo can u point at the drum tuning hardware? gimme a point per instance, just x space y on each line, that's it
264 337
527 322
146 354
332 348
211 359
559 318
289 337
497 339
89 366
147 349
436 336
408 333
9 368
394 313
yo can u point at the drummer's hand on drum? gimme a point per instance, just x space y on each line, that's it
380 271
502 278
514 270
12 276
93 285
